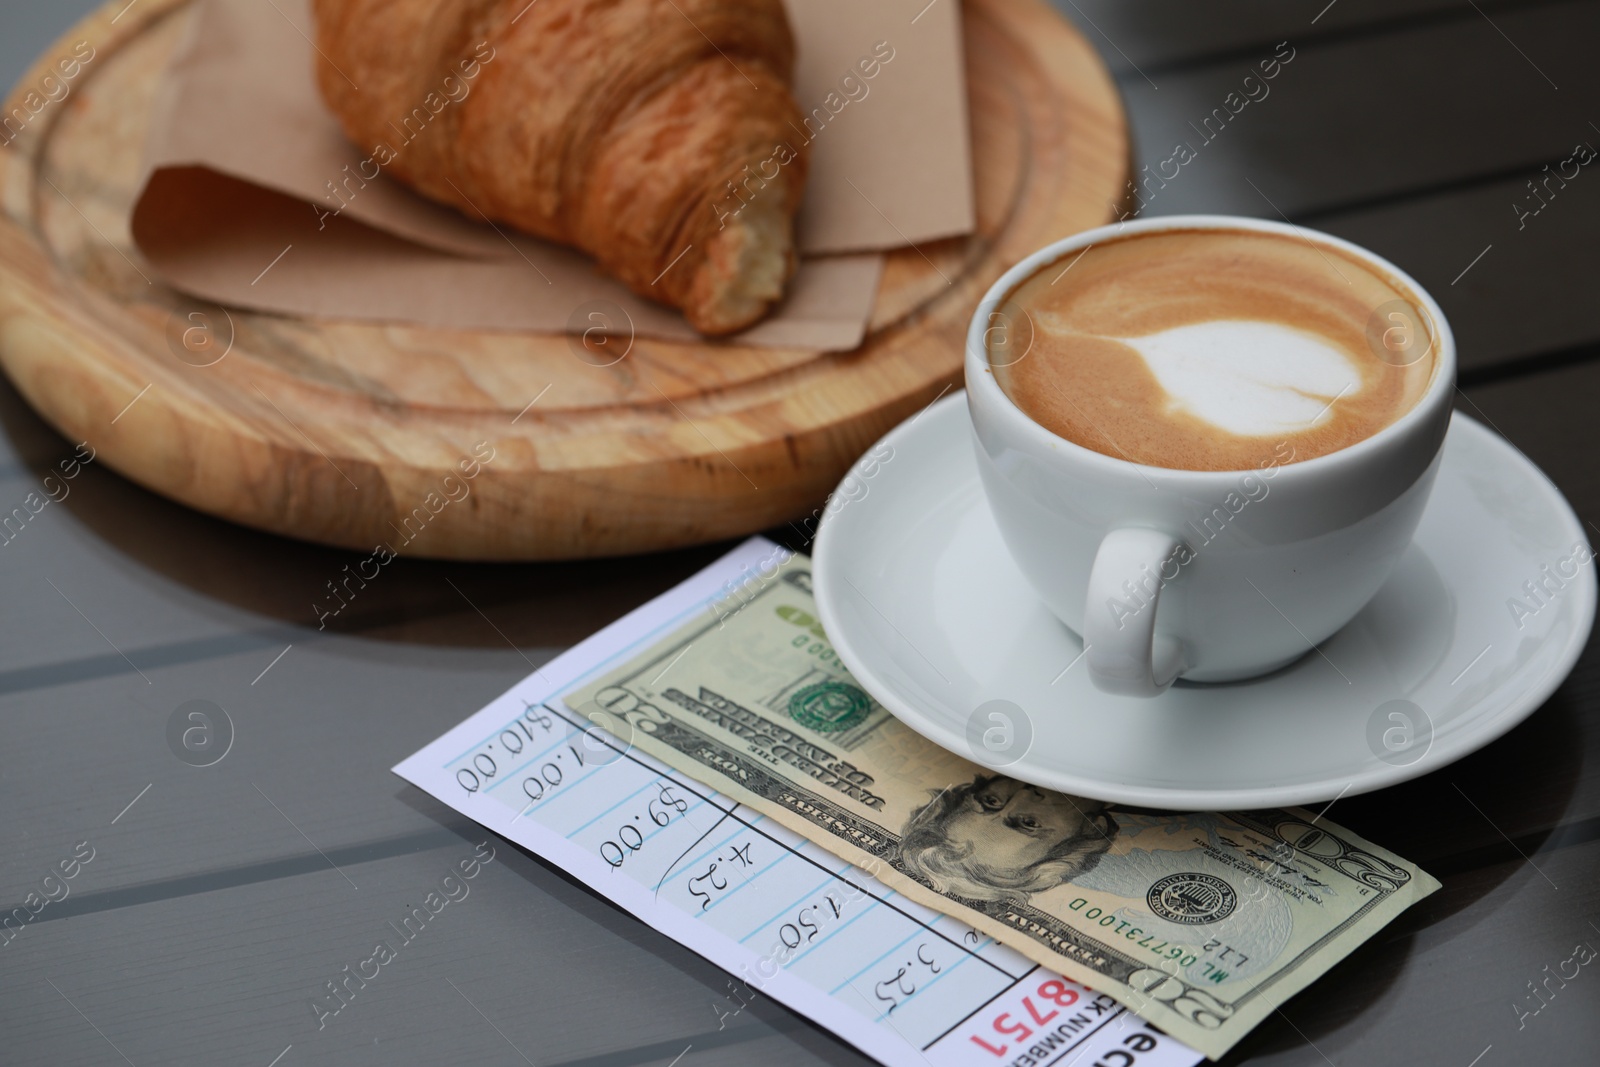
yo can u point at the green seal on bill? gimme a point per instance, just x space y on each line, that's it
828 707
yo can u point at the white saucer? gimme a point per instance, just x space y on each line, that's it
925 607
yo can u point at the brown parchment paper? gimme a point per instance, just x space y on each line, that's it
252 195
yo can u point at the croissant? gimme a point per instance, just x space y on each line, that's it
655 135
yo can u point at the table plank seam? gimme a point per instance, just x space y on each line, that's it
1249 53
179 653
1529 169
1515 850
1529 365
290 866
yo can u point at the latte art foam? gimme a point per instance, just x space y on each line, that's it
1248 378
1206 349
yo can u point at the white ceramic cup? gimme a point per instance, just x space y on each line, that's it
1123 553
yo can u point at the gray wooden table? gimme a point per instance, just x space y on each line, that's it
219 900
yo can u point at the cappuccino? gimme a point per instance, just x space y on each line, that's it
1212 349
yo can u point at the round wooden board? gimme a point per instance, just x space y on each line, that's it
344 432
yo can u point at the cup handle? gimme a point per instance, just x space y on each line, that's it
1125 654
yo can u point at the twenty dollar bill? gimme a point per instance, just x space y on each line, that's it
1203 924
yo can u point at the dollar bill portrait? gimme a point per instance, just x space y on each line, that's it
996 840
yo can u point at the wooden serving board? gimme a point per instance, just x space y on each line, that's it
342 431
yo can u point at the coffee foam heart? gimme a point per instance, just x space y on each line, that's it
1249 378
1206 349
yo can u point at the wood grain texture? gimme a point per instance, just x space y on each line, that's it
339 431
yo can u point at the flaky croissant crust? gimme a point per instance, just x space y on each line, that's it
659 136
